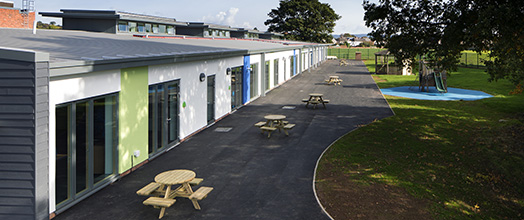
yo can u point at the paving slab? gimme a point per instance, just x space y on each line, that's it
254 177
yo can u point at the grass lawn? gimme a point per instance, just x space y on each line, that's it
464 159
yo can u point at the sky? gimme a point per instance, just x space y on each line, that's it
234 13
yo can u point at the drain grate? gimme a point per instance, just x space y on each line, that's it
223 129
289 107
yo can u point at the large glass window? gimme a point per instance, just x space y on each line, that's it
141 28
170 29
86 140
162 29
155 28
148 28
132 27
122 26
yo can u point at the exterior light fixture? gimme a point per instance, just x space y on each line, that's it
202 77
228 71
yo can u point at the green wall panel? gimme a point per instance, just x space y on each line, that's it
133 117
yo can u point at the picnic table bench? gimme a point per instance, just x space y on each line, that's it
162 196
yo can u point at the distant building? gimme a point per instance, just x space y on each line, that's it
199 29
111 21
11 17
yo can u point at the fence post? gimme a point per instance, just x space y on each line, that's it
466 59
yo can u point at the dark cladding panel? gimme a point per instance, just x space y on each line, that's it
23 122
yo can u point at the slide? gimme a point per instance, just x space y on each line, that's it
439 83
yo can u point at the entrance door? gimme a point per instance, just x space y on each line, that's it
163 116
236 87
210 99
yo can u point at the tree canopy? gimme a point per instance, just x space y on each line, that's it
441 29
303 20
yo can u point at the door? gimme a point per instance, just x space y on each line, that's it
210 99
163 116
86 140
236 87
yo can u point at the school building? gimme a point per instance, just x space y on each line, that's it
81 109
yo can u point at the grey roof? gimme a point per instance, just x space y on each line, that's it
82 50
64 45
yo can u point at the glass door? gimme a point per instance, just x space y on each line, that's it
163 116
236 87
210 99
172 112
86 140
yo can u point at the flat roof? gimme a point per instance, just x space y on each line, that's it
72 49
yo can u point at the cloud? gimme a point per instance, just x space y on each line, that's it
224 18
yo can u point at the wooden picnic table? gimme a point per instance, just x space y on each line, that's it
315 99
335 80
274 122
162 187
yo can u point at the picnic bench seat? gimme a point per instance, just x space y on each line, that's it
260 124
268 129
200 194
325 100
148 189
305 100
158 202
288 127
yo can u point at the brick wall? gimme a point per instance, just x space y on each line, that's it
12 18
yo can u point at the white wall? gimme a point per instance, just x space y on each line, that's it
194 93
67 89
281 56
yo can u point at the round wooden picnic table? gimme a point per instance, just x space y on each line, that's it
174 177
275 117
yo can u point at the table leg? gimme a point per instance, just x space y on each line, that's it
163 210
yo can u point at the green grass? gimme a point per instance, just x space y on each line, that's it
464 157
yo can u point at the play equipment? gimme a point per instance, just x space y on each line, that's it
428 76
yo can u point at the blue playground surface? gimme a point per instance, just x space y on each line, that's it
453 94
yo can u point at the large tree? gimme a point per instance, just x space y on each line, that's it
441 29
303 20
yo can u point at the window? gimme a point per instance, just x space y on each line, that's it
162 29
86 142
141 28
209 32
148 28
155 28
170 29
132 27
122 26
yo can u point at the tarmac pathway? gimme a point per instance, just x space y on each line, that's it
254 177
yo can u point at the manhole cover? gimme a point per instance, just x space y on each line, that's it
289 107
223 129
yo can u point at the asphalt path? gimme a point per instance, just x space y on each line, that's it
254 177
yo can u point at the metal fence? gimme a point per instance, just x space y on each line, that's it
468 58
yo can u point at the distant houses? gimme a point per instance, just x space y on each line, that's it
353 41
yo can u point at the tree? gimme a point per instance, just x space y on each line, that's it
303 20
442 29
